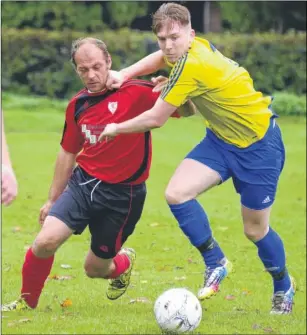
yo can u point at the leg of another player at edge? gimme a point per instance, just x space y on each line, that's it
191 179
270 246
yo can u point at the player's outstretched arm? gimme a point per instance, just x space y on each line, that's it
9 188
152 118
63 168
146 65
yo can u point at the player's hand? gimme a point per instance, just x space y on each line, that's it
44 211
160 82
115 79
9 187
109 132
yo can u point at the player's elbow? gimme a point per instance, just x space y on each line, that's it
158 122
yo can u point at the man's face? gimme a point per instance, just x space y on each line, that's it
174 40
92 67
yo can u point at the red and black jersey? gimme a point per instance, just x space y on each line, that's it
126 158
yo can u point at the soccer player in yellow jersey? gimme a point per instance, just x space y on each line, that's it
243 142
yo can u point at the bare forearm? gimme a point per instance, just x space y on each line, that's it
152 118
63 168
139 124
147 65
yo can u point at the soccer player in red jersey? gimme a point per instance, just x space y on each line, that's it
105 191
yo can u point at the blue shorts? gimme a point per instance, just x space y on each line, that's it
255 170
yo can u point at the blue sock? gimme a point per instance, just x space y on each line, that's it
193 221
272 254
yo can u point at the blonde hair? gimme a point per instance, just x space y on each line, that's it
170 11
83 40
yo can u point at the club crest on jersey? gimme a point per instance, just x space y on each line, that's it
112 106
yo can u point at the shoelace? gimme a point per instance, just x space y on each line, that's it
118 283
277 301
208 273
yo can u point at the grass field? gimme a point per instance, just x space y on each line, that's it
165 259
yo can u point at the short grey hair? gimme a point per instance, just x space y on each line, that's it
83 40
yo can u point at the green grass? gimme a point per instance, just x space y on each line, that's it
165 259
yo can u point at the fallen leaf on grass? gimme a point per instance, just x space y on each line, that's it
16 322
16 229
141 300
268 330
66 314
65 266
66 303
256 326
181 278
246 291
56 277
190 261
24 320
230 297
222 228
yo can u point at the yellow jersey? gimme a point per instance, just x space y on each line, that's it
223 93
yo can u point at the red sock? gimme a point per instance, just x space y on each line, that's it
35 271
122 263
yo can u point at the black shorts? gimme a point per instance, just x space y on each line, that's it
110 210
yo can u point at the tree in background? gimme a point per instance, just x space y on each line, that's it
123 13
52 15
93 16
85 16
253 16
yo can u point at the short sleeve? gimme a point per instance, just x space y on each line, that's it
181 82
72 139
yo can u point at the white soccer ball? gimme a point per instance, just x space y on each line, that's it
178 310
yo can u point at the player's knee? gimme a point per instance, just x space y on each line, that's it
256 223
45 246
254 232
175 195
